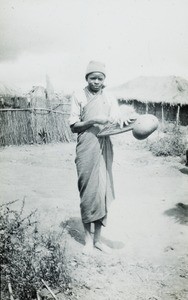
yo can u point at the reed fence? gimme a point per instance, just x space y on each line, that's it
34 125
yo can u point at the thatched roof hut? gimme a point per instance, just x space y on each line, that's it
41 97
11 97
167 97
171 89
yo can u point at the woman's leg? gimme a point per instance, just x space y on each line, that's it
88 238
97 232
97 238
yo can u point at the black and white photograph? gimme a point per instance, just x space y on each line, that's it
94 149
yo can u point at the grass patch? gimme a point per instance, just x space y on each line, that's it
171 143
29 256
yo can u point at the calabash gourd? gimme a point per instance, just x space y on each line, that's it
144 126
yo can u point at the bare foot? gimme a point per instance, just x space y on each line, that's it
102 247
87 249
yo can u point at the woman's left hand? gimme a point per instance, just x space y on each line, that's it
125 122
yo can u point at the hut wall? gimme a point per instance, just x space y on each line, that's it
139 107
170 111
184 115
155 109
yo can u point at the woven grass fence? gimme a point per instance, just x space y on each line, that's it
30 126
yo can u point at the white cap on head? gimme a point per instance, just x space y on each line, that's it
95 66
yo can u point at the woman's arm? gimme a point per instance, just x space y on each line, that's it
84 125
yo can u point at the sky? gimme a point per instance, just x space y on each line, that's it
59 37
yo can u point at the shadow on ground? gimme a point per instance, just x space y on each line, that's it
75 229
184 170
179 213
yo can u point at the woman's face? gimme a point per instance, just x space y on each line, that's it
95 81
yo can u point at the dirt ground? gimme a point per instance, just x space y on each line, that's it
146 229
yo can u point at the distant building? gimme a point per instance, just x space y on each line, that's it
165 97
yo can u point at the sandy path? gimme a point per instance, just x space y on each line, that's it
147 232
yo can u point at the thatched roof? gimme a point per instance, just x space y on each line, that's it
8 90
40 96
38 91
171 89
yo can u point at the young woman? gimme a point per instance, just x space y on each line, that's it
91 109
